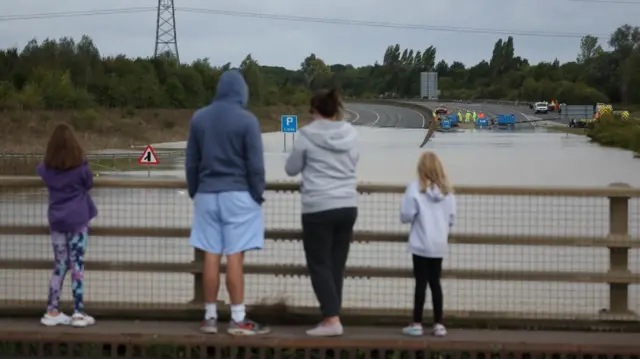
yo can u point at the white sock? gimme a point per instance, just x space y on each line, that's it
238 313
211 311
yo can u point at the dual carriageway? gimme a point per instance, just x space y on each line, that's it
388 116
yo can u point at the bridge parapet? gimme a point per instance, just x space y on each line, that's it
557 257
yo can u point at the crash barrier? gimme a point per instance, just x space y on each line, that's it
518 255
24 164
486 101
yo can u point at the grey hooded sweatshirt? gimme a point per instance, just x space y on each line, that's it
326 155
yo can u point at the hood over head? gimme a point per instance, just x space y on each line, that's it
433 194
232 88
57 179
337 136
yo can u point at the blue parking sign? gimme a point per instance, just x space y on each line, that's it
289 123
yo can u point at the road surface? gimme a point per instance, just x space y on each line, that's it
384 116
522 113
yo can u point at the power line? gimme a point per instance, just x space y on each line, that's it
52 15
609 1
294 18
382 24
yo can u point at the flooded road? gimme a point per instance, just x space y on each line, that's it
387 155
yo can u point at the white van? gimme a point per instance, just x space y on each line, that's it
540 107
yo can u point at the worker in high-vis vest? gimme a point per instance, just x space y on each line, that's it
475 116
459 116
468 117
481 114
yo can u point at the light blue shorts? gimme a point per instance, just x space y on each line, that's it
227 223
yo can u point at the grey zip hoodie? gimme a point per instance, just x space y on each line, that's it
326 155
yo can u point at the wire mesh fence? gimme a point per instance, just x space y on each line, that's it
514 216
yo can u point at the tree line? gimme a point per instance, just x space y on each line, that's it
63 73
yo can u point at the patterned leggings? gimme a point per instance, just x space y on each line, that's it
68 250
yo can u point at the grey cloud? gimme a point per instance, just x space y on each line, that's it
223 38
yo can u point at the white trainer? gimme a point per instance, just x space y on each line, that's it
53 320
81 320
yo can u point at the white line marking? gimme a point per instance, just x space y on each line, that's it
530 119
377 118
424 120
357 115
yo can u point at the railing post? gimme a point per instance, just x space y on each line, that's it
198 290
619 256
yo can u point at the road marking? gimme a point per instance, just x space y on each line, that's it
424 120
530 119
357 115
377 118
399 119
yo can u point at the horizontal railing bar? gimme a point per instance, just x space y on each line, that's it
353 272
610 241
31 182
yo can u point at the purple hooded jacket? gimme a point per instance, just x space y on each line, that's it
70 206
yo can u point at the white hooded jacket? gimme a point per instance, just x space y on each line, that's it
431 216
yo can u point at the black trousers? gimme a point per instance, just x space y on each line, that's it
327 236
427 271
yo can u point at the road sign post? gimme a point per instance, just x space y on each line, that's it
148 158
289 124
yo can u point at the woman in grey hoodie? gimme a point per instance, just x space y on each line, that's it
326 155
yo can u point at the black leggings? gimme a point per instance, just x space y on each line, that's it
427 271
327 236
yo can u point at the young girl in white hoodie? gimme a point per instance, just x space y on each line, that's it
430 207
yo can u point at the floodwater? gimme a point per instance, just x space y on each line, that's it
387 155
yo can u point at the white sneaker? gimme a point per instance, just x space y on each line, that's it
53 320
439 330
334 330
81 320
414 330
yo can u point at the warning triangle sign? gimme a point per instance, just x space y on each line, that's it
148 157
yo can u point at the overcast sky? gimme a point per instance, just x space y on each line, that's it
286 43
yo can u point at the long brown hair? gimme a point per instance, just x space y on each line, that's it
63 150
431 172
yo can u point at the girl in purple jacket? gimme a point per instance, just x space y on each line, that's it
68 179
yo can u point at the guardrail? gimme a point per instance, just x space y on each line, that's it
20 164
447 100
518 255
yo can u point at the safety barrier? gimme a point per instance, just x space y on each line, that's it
518 255
20 164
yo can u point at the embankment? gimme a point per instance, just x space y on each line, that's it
98 129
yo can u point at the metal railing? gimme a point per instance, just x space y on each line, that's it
21 164
557 255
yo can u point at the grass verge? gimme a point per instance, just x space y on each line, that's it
615 132
99 129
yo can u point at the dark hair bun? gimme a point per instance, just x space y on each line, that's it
326 103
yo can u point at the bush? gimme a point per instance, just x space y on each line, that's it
85 120
616 132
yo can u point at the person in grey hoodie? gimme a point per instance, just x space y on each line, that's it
326 155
